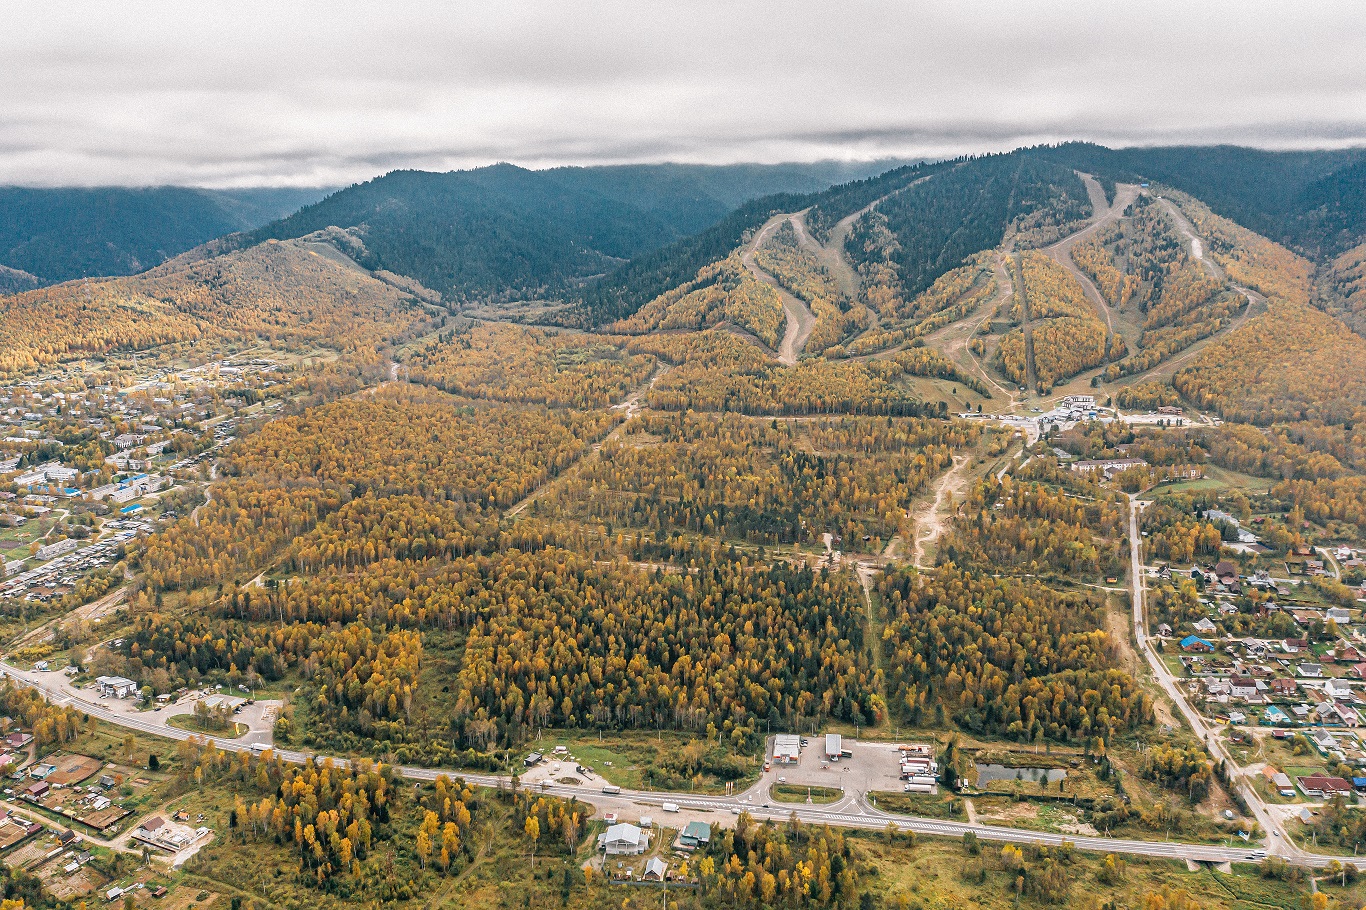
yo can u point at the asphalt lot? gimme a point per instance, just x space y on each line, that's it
872 767
259 717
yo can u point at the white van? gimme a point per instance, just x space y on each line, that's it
670 807
611 789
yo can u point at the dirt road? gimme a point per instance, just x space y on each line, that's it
1104 215
1256 303
800 320
630 405
831 255
1187 230
931 518
954 340
208 493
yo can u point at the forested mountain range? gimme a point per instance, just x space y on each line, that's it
930 226
60 234
1314 202
505 231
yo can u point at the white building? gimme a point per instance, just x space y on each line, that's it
117 686
623 840
834 746
107 490
1338 688
51 471
787 748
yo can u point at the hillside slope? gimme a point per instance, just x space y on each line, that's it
505 232
289 293
1313 201
61 234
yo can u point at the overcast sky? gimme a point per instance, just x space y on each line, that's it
240 94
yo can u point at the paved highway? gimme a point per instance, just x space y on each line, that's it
1279 843
850 813
858 815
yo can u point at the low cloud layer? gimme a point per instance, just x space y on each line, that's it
270 94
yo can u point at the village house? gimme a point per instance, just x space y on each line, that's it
1279 781
1324 741
1339 689
1284 686
1322 786
1243 687
694 835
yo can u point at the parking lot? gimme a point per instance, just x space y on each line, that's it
562 768
871 767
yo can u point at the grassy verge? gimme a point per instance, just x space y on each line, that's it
792 793
925 805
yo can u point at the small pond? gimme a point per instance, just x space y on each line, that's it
988 773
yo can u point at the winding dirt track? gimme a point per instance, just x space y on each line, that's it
800 320
832 254
1255 301
1103 215
1027 328
931 518
954 340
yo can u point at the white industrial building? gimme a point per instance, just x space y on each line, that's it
623 840
117 686
787 748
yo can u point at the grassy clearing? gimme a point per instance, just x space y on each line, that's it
636 759
941 873
1218 479
190 722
